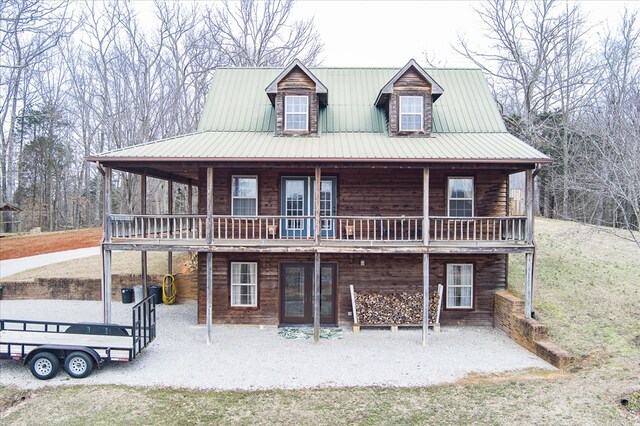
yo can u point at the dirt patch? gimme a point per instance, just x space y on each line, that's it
14 247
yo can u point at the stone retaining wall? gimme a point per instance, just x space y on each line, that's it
509 317
89 288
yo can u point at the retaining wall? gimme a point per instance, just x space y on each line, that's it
509 317
90 289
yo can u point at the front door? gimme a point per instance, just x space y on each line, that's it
296 293
298 206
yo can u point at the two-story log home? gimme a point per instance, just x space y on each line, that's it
310 180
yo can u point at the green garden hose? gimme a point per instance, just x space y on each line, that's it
169 292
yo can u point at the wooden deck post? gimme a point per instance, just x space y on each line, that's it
143 210
316 299
529 257
317 229
169 226
106 254
528 285
189 198
209 319
529 205
425 206
425 298
209 230
209 235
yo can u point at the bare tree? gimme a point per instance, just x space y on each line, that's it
29 30
541 74
613 168
259 33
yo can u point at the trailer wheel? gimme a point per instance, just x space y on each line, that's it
44 365
78 365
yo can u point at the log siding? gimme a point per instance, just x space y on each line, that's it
381 273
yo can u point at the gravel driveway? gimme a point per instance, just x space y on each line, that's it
244 357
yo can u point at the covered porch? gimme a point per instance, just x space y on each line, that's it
422 230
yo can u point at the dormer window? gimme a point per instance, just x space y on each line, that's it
297 96
408 101
411 114
296 116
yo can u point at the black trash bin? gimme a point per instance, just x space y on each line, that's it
127 295
156 292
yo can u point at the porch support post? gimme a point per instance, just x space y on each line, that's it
143 211
316 223
169 225
425 206
316 299
317 229
528 285
106 254
189 198
209 319
425 298
529 206
529 257
209 235
209 230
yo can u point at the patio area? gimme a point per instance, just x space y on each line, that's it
251 358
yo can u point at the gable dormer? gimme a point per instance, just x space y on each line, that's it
297 96
408 99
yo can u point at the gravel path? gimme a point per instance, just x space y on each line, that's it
249 358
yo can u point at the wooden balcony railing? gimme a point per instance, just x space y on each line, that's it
358 229
163 227
480 229
373 228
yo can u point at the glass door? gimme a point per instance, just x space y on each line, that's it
296 295
294 207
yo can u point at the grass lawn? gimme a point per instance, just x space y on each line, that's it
587 292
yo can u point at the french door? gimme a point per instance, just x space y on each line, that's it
298 205
296 293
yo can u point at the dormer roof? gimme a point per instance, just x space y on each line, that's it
321 89
436 89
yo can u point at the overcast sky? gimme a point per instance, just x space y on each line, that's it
389 33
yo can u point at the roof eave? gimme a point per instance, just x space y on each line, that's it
272 88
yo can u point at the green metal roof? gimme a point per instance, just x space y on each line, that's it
237 124
237 101
263 146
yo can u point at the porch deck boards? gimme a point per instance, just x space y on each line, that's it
325 246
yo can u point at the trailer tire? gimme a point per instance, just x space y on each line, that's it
44 365
78 365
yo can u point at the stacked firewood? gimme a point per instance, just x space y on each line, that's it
394 308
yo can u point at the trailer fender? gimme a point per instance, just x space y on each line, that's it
61 350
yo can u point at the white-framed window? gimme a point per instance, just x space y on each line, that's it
460 197
459 286
244 284
411 114
244 195
296 112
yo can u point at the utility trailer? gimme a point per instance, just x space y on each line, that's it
79 347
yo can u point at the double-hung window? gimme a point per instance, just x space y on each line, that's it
244 196
296 113
411 114
460 286
244 284
460 197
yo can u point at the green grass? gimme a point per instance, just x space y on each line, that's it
587 292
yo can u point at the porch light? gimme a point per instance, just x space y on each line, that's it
362 263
